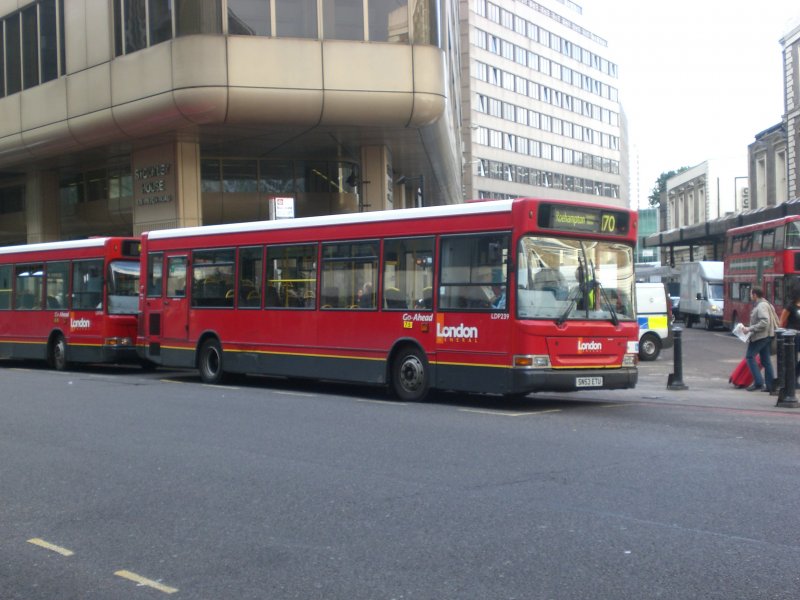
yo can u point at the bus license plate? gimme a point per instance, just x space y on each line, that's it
588 382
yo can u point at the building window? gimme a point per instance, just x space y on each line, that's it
388 22
343 20
159 17
296 18
248 17
13 67
198 16
12 199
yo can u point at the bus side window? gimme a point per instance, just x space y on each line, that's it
474 272
29 287
5 287
155 267
408 273
213 278
176 276
291 276
352 269
57 282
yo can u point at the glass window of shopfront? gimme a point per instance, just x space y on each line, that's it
249 17
210 175
239 176
276 177
296 18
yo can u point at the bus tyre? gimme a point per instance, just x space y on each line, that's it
210 362
57 357
410 377
649 347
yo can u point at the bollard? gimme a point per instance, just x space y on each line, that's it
675 379
787 398
777 386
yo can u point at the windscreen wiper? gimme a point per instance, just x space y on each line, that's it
573 298
598 286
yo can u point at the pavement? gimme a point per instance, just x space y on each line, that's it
707 361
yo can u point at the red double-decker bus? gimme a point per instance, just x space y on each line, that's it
763 254
70 302
505 297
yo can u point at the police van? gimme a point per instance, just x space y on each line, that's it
653 316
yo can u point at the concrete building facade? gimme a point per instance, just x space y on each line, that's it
542 114
120 116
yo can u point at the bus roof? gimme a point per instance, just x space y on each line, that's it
65 245
762 225
470 208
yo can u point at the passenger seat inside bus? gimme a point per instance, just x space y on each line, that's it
393 298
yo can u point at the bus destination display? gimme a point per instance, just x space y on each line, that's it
584 220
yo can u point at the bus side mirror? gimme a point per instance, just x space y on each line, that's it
699 296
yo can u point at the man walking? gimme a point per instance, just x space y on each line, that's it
761 330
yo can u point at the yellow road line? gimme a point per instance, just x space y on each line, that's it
48 546
138 579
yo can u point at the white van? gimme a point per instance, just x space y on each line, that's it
653 317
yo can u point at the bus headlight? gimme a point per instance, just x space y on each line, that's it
527 361
117 341
629 360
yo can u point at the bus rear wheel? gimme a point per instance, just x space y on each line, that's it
57 356
209 362
410 375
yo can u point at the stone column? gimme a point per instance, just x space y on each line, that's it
41 207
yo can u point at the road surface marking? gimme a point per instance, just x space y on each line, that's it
47 545
499 413
382 402
138 579
284 393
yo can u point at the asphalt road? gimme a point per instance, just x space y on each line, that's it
120 484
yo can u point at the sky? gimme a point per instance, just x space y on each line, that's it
698 79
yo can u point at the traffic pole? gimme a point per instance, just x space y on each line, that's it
787 398
778 384
675 379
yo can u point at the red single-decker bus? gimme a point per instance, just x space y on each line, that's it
505 297
70 302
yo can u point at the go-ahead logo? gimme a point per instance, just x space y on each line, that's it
454 333
593 346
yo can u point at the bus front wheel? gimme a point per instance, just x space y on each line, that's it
210 362
410 377
58 354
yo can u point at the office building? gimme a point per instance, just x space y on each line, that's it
121 116
541 104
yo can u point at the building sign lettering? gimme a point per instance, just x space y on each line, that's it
153 184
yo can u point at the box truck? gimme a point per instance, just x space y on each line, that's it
701 293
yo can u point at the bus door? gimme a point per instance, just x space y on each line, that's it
175 311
